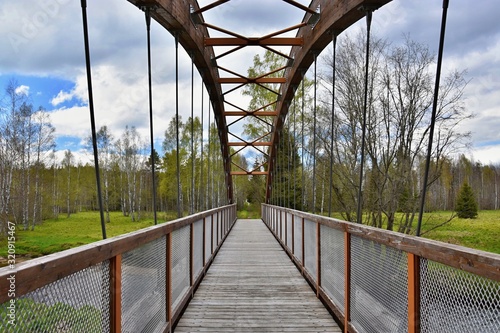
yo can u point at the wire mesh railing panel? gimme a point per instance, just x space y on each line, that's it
379 296
452 300
281 226
143 287
289 231
208 237
298 238
215 227
332 264
197 248
180 264
310 248
77 303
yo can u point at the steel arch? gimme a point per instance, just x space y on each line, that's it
322 19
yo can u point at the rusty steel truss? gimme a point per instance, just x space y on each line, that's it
322 19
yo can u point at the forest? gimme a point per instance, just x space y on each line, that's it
35 184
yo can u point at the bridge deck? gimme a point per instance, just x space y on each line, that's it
252 286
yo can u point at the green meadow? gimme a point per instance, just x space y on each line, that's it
55 235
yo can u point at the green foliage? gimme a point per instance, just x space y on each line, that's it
250 211
42 318
466 206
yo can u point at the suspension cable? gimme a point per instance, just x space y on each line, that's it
92 115
302 146
191 210
290 156
314 137
294 146
202 200
332 139
179 204
209 156
433 117
153 157
359 217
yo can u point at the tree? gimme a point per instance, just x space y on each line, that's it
130 148
106 149
67 163
26 135
400 96
466 206
263 98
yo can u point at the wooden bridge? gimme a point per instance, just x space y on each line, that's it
212 272
289 270
252 286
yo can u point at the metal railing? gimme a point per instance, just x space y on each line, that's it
375 280
138 282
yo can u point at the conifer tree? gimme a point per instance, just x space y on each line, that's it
466 206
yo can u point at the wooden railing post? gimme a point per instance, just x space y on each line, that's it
204 242
413 293
191 253
347 280
303 246
116 293
217 228
168 290
281 226
293 234
286 230
212 236
318 257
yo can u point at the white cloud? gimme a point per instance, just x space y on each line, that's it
487 155
22 90
62 97
71 121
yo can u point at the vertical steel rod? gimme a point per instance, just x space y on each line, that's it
209 194
179 203
151 131
332 139
302 147
359 217
92 115
433 117
314 137
191 206
203 201
294 146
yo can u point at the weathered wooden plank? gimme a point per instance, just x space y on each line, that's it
252 286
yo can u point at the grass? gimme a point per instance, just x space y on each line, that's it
60 234
55 235
481 233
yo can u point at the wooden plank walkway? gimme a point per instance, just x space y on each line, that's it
253 286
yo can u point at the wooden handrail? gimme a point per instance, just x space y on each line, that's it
36 273
483 264
479 262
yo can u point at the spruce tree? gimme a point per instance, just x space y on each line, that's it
466 206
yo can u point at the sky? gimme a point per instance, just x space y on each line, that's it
41 48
